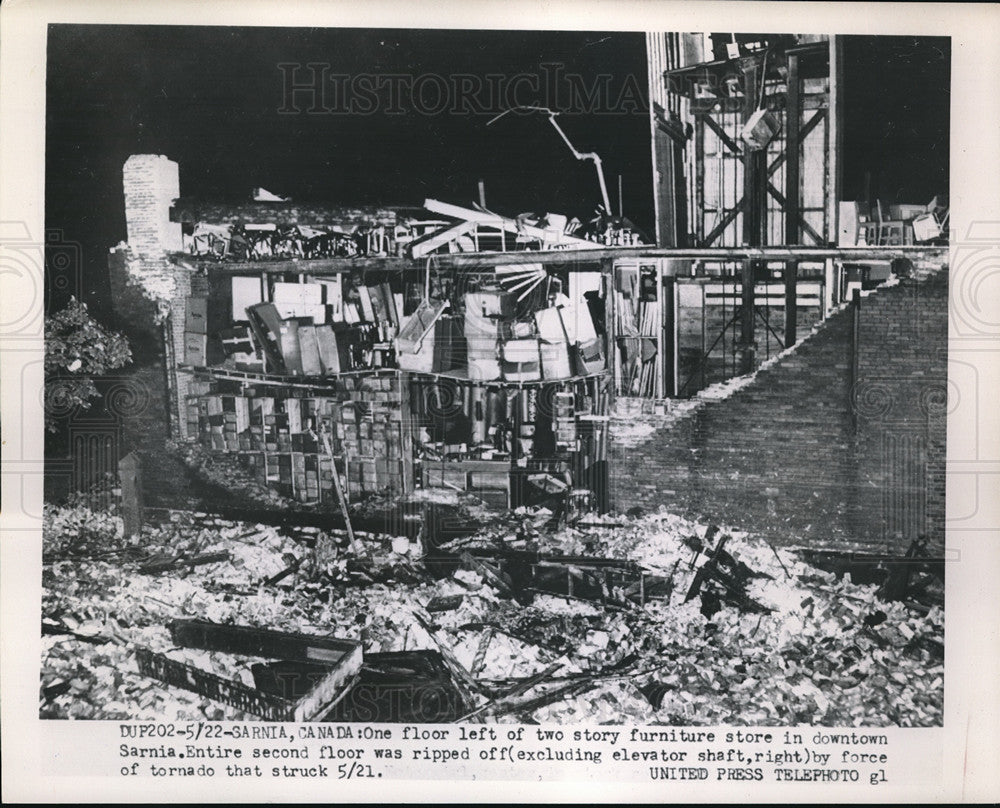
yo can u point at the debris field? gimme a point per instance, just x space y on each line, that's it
610 620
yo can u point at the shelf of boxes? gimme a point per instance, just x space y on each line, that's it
479 340
279 437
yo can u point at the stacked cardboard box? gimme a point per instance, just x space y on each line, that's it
490 479
285 477
235 422
276 436
555 360
295 300
196 331
260 408
485 313
591 356
280 438
302 333
570 345
415 345
522 360
192 409
216 438
564 420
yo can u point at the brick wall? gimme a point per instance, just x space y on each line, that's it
722 361
135 310
803 454
901 403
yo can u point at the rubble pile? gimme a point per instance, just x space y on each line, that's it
616 620
222 471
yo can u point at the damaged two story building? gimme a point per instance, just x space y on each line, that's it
517 357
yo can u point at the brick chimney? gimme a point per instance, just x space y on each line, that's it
151 183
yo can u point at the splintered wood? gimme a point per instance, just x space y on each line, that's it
651 620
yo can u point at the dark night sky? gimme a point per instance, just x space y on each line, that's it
210 99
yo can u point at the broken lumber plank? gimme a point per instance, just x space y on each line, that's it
519 689
166 564
432 241
775 551
493 576
444 603
158 563
396 686
313 706
250 641
205 558
210 685
59 629
560 693
280 576
319 701
533 680
510 225
356 547
484 645
458 671
732 583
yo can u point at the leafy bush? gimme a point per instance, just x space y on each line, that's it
77 348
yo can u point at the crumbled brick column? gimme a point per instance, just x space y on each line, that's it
151 184
147 285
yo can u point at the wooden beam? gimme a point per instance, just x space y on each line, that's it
793 157
780 198
659 172
792 180
779 161
726 221
130 477
699 178
433 241
723 135
775 103
660 358
577 260
835 135
811 124
754 210
509 225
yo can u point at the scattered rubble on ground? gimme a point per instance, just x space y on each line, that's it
652 619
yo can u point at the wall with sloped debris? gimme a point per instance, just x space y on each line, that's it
814 449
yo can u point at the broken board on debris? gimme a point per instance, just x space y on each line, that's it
900 576
342 660
250 641
412 687
729 573
169 563
212 686
611 582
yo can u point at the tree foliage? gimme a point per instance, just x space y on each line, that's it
77 349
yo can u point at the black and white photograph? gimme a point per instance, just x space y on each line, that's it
426 387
